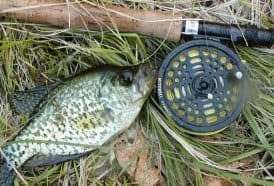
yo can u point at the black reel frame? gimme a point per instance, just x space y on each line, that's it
202 85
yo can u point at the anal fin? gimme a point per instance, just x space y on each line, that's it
42 160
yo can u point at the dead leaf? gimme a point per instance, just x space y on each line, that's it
243 164
132 154
211 138
246 163
215 181
271 19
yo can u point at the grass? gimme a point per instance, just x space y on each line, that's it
36 54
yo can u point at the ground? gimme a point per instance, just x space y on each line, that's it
33 54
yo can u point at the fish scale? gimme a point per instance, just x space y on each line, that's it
81 114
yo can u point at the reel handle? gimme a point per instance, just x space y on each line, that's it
94 17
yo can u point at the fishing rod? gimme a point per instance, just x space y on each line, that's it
173 27
202 83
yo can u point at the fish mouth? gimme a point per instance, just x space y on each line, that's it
141 100
146 83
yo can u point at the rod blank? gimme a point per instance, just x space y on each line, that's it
79 14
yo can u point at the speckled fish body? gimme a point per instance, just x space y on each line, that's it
81 114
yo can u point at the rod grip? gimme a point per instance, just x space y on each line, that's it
259 37
248 33
97 17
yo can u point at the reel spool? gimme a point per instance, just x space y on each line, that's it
201 86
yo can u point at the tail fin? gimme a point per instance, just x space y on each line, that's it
7 174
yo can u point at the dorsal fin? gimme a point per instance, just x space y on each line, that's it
25 102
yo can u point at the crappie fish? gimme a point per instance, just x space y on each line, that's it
78 116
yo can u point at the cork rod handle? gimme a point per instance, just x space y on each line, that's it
78 14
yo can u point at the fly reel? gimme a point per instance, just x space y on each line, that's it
201 86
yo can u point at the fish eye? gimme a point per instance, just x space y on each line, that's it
126 78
